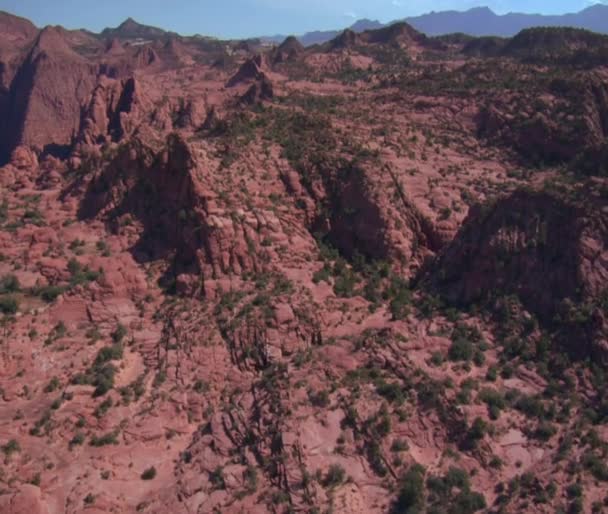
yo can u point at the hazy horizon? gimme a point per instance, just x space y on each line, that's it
249 18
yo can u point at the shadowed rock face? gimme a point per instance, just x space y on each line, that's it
548 251
288 50
46 95
568 125
555 45
162 189
154 187
251 69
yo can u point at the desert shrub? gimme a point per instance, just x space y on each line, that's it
200 386
544 431
250 477
105 439
467 502
461 350
399 445
103 248
9 305
390 391
109 353
103 408
492 374
531 406
319 399
401 298
11 447
49 293
429 305
383 425
475 433
81 275
335 476
77 440
344 283
119 333
453 493
45 423
149 474
596 465
410 498
322 275
216 478
53 385
9 284
101 374
494 400
374 457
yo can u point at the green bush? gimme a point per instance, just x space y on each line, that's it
467 502
319 399
9 284
11 447
53 385
391 391
410 499
545 431
49 293
77 440
476 433
461 350
149 474
596 465
9 305
105 440
119 333
103 408
399 445
101 374
335 476
216 478
494 400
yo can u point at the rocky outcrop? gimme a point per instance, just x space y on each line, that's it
163 188
347 39
47 95
16 30
251 70
398 34
258 92
347 205
550 251
571 119
558 45
288 50
104 119
146 56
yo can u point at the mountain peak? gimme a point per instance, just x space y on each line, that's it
366 24
480 10
133 29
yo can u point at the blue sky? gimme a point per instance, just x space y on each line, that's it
243 18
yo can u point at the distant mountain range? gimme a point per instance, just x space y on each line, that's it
479 21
